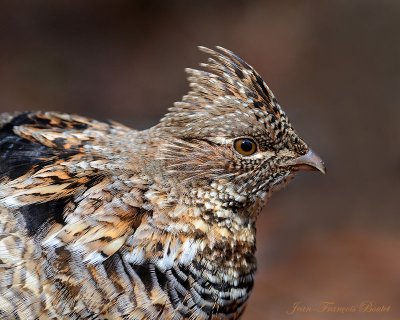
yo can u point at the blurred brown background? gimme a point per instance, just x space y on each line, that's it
335 67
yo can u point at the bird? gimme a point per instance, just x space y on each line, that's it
101 221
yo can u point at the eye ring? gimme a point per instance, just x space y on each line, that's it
245 146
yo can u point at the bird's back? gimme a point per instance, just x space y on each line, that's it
53 181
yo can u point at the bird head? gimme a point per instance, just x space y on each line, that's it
229 139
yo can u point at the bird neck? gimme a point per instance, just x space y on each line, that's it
206 250
214 244
209 262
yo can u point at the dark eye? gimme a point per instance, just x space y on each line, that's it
245 146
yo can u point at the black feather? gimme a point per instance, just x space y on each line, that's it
19 155
35 215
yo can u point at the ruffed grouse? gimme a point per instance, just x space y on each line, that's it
99 221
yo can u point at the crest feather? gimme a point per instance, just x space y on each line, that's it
225 84
226 75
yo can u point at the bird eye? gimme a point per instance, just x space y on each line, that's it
245 146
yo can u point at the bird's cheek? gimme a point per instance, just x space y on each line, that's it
269 162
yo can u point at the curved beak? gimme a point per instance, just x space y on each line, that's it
308 162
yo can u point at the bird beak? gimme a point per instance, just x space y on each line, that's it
308 162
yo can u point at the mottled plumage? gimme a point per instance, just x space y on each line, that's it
99 221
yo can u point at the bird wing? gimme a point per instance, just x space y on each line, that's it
57 180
